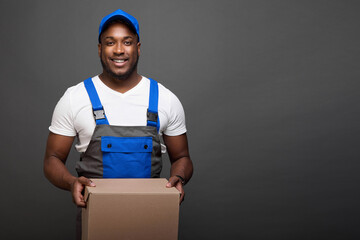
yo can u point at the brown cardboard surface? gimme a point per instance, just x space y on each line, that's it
130 209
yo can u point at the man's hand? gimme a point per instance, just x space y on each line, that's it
77 187
176 182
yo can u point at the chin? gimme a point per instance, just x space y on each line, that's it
120 76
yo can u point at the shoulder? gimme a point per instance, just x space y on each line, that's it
75 90
169 97
163 90
77 94
171 109
164 93
75 99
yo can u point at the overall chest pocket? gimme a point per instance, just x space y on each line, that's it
126 157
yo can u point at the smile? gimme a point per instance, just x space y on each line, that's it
118 60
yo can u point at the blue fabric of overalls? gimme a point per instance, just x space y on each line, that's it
122 151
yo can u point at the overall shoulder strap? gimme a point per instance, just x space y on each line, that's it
98 110
152 112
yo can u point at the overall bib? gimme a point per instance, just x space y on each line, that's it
121 151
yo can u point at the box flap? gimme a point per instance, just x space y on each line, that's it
130 186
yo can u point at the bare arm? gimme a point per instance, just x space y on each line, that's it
57 151
181 164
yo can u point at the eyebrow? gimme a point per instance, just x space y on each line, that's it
127 37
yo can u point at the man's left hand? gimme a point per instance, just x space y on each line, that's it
176 182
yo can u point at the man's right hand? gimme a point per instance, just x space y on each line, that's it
77 187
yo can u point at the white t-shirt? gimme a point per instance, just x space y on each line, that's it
73 114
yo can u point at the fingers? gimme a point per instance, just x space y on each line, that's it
172 182
175 182
182 196
78 199
77 188
85 181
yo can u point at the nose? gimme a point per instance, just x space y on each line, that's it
119 49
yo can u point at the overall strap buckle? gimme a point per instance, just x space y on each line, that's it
152 116
99 114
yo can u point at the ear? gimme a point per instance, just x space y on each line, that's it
138 48
99 49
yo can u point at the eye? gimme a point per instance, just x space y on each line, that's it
127 43
110 43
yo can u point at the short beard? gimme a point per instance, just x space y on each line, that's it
124 76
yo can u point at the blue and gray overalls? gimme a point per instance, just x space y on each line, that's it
122 151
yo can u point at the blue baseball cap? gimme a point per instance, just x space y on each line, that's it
119 14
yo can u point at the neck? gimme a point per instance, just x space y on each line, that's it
118 84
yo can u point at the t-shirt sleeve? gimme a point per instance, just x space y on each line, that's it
176 125
62 120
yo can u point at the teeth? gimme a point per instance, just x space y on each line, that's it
118 61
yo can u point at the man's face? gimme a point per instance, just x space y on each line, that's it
119 51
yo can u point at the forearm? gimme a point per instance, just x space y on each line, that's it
182 167
57 173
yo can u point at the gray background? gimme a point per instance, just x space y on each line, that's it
271 94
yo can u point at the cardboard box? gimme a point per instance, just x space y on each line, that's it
130 209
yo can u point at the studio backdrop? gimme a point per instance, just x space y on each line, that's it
271 95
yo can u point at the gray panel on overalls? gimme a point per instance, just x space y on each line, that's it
121 151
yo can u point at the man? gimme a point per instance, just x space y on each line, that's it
116 113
